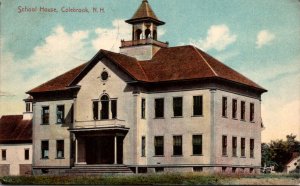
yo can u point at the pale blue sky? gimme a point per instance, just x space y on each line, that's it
36 47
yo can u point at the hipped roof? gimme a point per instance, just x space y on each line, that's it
168 64
13 129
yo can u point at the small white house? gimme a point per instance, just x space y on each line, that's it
16 143
150 108
293 164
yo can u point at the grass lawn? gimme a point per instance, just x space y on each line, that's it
165 178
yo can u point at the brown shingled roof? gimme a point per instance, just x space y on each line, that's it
144 12
168 64
13 129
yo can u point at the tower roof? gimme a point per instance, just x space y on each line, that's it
144 13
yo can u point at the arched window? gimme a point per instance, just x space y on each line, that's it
147 33
138 33
154 35
104 112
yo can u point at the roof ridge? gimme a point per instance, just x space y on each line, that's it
205 61
138 62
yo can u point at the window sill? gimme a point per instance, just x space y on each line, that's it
60 158
44 158
225 117
234 118
60 123
224 155
177 156
143 156
194 116
177 117
252 121
243 120
197 155
45 124
160 118
235 156
243 156
158 156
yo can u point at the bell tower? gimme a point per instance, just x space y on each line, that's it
144 43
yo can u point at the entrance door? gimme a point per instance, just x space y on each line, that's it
100 150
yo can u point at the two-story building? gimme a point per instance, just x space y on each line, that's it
151 108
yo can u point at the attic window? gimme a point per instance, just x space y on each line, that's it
104 76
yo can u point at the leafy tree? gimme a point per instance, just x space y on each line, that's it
279 152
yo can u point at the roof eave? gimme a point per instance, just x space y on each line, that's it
145 19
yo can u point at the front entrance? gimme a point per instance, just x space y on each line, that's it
99 145
100 150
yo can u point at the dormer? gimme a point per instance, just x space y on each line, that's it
144 43
27 115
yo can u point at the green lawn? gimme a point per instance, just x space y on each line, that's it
150 179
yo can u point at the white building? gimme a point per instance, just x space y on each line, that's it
16 143
293 164
151 108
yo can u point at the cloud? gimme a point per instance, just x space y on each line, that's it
110 38
264 37
58 52
218 38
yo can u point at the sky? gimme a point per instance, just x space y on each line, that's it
258 38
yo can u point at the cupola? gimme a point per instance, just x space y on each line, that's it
144 43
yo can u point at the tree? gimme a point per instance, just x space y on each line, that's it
279 152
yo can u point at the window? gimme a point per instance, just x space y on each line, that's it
143 146
159 169
224 169
197 106
224 145
45 149
197 144
159 145
95 110
234 146
28 105
234 107
45 115
177 145
159 108
143 108
243 110
114 109
251 170
60 113
26 154
197 169
233 169
177 106
104 76
224 106
251 148
3 154
60 149
251 111
72 113
242 147
104 107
